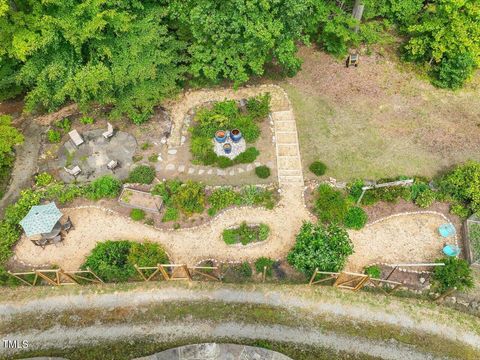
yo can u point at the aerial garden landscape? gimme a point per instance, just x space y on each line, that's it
233 143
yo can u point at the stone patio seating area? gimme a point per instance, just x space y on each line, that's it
96 156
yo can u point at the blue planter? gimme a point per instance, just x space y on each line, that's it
227 148
235 135
221 136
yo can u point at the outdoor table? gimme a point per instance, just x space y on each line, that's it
55 231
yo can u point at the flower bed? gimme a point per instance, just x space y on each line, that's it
245 234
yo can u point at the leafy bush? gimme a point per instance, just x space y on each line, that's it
222 198
262 172
318 168
248 156
54 136
387 194
224 162
252 195
109 260
87 120
65 125
355 190
425 198
330 206
453 71
417 188
147 254
190 197
463 185
263 262
317 246
43 179
171 214
104 187
259 106
142 174
355 218
137 214
455 274
245 269
373 271
263 232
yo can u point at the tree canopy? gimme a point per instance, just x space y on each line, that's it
132 54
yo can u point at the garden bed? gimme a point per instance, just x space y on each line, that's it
137 199
246 234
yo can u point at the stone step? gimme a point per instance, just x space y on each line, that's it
282 115
296 179
289 172
287 126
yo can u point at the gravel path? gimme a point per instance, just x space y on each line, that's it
25 164
61 337
419 319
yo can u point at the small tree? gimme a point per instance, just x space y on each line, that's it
317 246
455 275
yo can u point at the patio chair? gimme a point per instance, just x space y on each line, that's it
112 165
68 225
42 242
109 133
75 137
56 240
74 172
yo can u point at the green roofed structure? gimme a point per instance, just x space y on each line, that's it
41 219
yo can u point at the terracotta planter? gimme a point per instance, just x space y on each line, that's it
235 135
221 136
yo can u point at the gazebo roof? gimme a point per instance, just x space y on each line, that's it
41 219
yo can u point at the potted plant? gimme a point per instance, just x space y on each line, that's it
227 148
235 135
221 136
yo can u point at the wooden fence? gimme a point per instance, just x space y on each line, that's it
354 281
167 272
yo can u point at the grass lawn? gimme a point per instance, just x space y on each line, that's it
380 119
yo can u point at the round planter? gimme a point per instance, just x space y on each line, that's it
227 148
235 135
221 136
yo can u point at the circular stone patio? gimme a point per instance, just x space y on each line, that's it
95 153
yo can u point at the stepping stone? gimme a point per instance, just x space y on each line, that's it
181 168
240 170
163 140
201 171
182 140
170 167
221 172
257 164
191 170
172 151
159 158
210 172
249 167
231 172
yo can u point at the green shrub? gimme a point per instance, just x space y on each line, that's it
317 246
318 168
65 125
373 271
245 234
355 218
224 162
387 194
229 236
104 187
153 158
263 232
263 262
54 136
425 198
190 197
142 174
245 269
455 274
262 172
137 214
146 145
147 254
355 190
259 106
171 214
87 120
109 260
44 179
200 147
331 205
248 156
460 210
248 127
252 195
453 71
417 188
463 185
222 198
